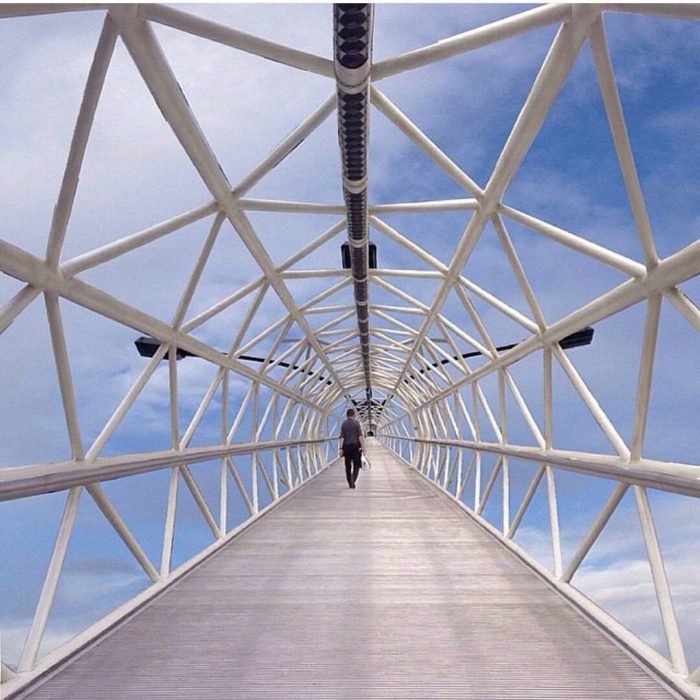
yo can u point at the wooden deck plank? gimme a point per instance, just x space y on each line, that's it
385 591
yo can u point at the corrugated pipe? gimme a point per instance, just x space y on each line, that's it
353 59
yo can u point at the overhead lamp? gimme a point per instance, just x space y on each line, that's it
147 347
574 340
578 339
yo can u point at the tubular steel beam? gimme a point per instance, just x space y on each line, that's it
30 480
472 39
145 50
429 382
24 266
222 34
674 477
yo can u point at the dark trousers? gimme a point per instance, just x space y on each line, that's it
353 462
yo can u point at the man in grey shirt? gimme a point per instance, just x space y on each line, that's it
351 446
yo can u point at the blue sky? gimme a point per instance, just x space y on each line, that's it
135 175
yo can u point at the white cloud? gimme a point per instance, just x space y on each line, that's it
89 587
616 574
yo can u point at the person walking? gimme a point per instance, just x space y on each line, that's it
351 447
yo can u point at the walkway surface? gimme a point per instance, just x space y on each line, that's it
385 591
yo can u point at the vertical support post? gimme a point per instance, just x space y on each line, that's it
172 380
169 532
48 591
458 481
254 456
547 374
503 440
646 370
223 478
289 467
275 475
658 573
477 437
553 521
549 473
65 381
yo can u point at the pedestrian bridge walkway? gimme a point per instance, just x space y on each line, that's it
442 277
389 590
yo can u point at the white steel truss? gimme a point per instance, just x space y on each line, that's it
420 391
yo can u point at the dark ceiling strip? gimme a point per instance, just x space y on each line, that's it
352 34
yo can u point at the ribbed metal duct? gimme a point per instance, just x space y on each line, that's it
353 60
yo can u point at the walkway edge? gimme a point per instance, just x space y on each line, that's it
53 663
604 623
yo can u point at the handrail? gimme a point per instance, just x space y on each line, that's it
293 475
442 464
674 477
32 480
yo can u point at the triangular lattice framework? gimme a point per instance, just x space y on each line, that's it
426 369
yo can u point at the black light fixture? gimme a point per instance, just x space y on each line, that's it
574 340
148 347
578 339
347 262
